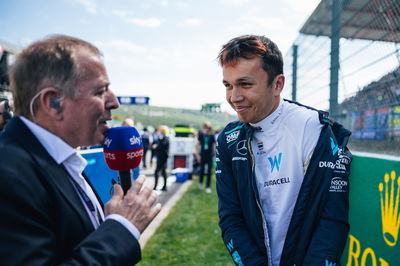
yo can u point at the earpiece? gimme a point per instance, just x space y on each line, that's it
55 103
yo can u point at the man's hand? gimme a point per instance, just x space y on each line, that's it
136 206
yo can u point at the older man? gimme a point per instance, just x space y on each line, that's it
50 212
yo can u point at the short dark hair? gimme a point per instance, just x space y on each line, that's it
51 62
250 46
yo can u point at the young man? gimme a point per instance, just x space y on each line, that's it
277 167
50 213
205 152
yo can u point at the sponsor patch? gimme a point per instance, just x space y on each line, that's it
239 159
241 147
232 136
260 145
334 147
275 162
334 166
338 185
278 181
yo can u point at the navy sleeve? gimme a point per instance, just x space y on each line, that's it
234 230
329 238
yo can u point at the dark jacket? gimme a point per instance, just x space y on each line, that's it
319 226
43 221
162 149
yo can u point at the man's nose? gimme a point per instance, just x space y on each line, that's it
236 95
112 101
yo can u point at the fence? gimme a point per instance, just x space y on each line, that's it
357 76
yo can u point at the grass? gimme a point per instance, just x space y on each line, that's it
190 234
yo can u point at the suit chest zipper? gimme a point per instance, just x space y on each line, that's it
253 179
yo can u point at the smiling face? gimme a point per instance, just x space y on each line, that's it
85 118
247 89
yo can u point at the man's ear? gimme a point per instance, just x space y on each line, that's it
278 84
51 103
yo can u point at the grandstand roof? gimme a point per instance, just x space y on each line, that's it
377 20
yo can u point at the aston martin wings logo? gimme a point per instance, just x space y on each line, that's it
389 199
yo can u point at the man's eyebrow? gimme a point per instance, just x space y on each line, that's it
244 79
240 79
102 85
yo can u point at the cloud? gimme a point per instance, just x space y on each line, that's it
128 18
190 21
120 13
305 6
90 5
181 4
145 22
164 3
122 46
235 2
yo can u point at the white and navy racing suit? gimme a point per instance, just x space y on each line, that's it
283 188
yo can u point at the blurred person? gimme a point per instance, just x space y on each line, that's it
205 152
51 213
128 122
4 79
162 148
146 143
5 114
153 145
277 167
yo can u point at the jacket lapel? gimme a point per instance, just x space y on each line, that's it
55 173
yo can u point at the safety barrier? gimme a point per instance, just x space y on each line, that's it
374 211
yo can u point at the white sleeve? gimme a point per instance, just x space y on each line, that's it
128 225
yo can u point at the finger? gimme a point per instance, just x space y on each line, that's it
146 192
152 199
155 210
137 185
118 194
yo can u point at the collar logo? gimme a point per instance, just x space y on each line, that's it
390 214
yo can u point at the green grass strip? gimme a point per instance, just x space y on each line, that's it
190 234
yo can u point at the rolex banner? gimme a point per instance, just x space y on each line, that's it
374 212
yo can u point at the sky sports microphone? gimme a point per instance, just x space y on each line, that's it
123 151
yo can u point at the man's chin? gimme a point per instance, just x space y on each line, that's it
244 119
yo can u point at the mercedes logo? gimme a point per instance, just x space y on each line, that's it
241 147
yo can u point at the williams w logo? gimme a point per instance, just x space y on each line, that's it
275 162
389 197
334 147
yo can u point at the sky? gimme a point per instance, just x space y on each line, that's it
164 49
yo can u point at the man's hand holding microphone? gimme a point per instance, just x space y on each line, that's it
123 151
